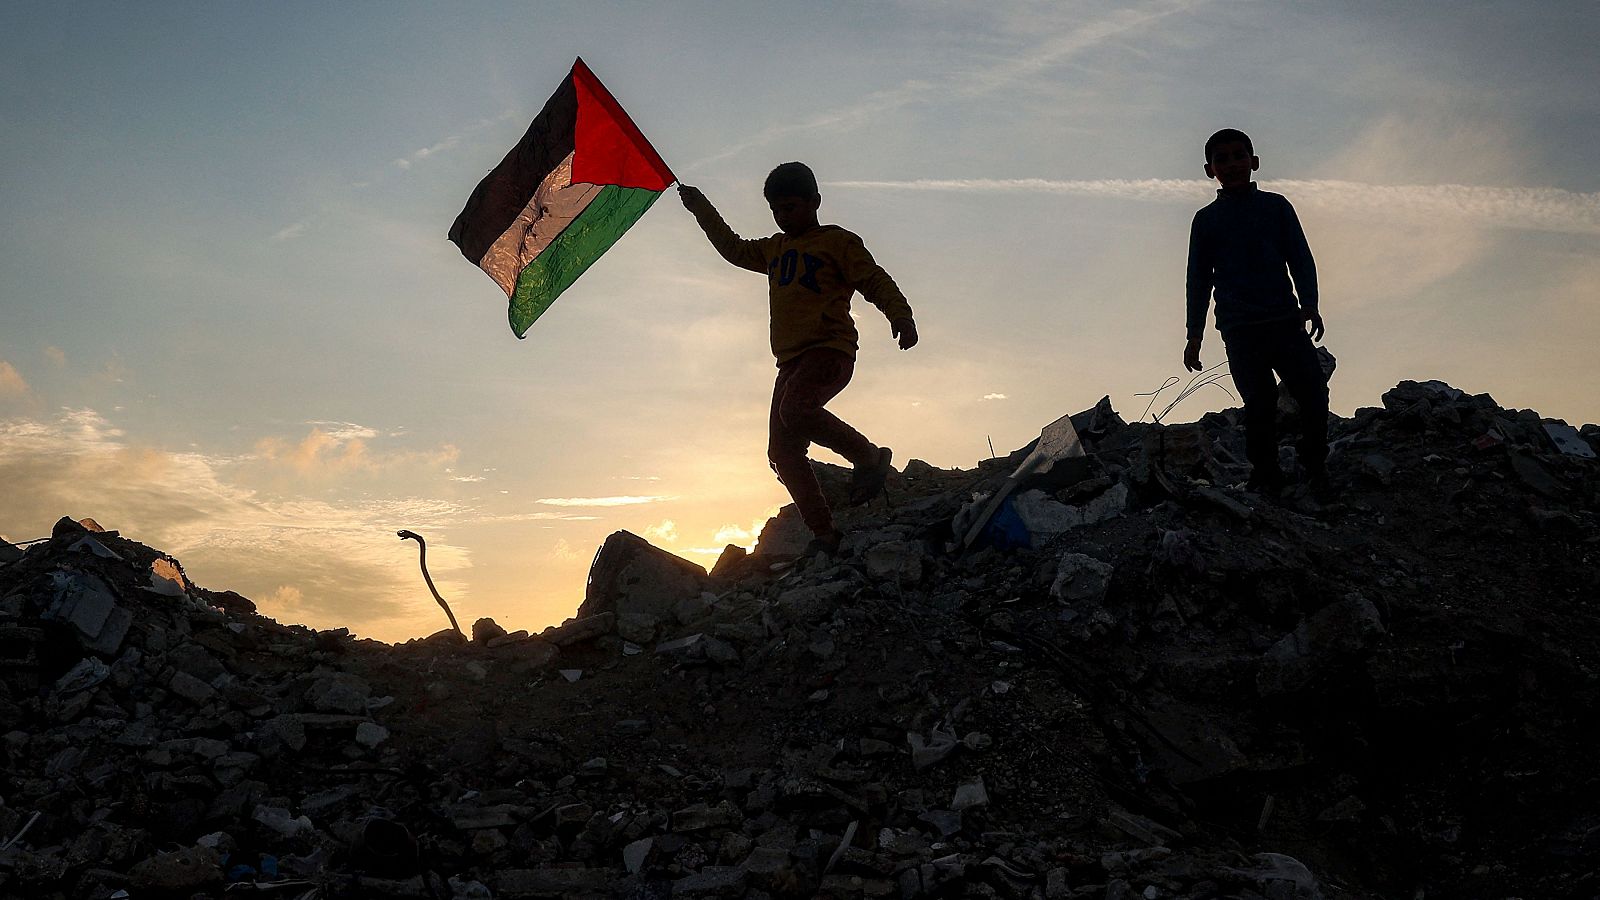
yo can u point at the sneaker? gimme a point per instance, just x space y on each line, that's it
866 482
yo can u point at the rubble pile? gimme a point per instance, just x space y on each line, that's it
1138 681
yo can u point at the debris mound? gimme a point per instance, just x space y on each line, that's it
1096 668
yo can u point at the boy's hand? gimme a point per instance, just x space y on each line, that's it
1315 320
1191 355
906 331
693 200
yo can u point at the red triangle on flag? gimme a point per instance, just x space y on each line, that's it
608 147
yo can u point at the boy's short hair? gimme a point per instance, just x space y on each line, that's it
790 179
1228 136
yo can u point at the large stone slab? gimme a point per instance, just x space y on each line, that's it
630 575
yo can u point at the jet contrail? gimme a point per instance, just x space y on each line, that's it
1530 209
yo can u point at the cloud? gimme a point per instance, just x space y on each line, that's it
994 396
562 551
666 532
406 162
343 448
537 517
1530 208
970 82
288 232
302 559
56 355
602 501
12 383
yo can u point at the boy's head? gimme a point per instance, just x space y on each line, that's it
1230 158
791 192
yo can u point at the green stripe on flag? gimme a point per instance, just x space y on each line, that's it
612 212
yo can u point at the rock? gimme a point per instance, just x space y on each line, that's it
629 575
191 688
689 610
581 630
784 535
89 605
969 794
772 870
900 561
167 578
184 871
1282 876
371 734
712 881
277 820
639 628
1378 467
1045 517
690 647
1081 577
339 692
509 639
1531 473
485 630
635 854
728 562
1347 627
815 603
9 553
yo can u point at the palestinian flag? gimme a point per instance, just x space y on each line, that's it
580 177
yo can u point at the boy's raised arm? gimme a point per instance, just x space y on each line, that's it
863 273
742 253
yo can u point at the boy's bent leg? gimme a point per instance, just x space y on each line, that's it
819 375
1302 374
786 451
1250 363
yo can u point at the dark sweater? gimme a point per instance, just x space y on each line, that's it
1246 244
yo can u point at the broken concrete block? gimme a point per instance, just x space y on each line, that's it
177 872
712 881
897 560
88 604
371 734
580 630
1081 577
732 556
1347 627
691 647
629 575
784 535
339 692
635 855
191 688
969 794
485 630
167 579
277 820
639 628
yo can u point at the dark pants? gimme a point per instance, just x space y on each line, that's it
1254 353
804 385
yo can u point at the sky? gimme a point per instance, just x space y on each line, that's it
233 328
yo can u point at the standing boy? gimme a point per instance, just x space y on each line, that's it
812 271
1247 244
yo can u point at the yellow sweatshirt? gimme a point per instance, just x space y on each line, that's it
810 280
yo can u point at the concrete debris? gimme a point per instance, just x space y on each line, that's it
1161 677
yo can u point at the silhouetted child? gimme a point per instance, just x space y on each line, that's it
812 272
1247 244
